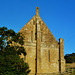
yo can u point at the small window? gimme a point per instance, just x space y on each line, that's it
49 55
32 36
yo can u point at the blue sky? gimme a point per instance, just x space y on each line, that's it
59 16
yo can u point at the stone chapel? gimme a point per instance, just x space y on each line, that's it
44 53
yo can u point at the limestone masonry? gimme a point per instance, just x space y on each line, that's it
44 53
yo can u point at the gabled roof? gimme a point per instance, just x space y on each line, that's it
46 33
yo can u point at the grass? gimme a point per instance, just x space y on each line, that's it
70 66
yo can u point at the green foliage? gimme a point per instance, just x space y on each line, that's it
70 58
10 61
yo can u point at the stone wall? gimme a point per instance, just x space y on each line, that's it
42 48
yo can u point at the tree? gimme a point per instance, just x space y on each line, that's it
70 58
10 61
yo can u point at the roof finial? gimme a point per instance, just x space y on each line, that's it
37 10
